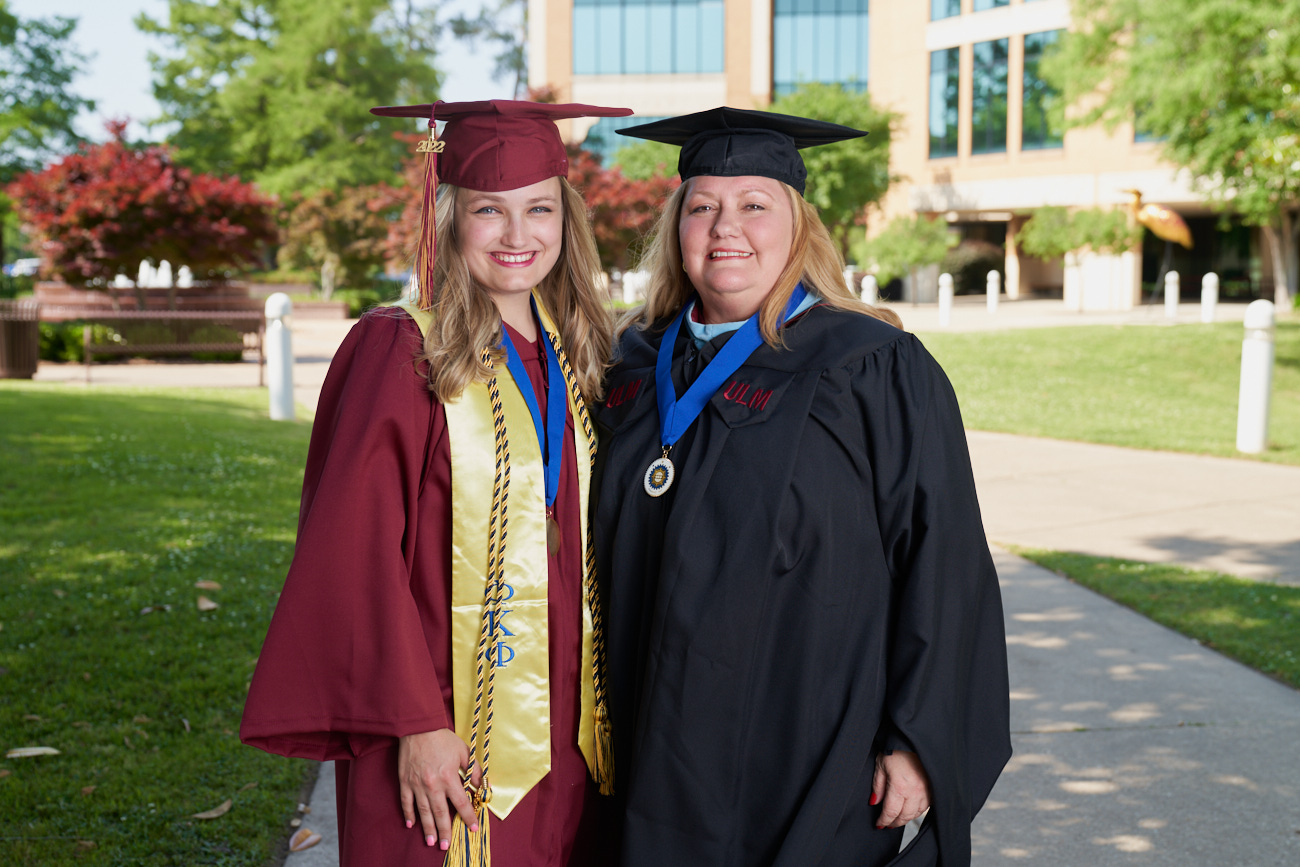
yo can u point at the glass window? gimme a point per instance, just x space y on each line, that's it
989 98
944 78
940 9
1039 128
603 139
820 41
635 37
981 5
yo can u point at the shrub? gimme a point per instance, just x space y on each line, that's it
361 300
12 287
64 341
970 262
216 334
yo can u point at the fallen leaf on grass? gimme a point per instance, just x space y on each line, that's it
85 675
4 772
206 604
305 838
86 790
186 723
60 593
28 752
149 609
207 585
245 788
86 844
141 719
81 724
31 717
216 812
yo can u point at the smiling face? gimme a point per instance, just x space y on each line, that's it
511 240
735 236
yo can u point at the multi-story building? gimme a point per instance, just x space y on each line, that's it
976 145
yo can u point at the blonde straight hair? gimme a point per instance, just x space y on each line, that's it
814 259
466 320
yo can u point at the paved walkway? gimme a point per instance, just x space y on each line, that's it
1134 745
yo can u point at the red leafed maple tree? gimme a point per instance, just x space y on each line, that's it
622 210
101 211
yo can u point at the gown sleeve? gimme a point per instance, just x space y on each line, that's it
347 664
947 695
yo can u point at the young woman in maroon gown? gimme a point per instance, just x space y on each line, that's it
438 624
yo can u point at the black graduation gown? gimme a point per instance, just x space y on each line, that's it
814 587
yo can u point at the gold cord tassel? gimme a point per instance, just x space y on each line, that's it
604 751
471 848
604 735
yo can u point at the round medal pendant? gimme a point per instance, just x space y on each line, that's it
659 477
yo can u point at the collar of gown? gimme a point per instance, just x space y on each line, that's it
702 332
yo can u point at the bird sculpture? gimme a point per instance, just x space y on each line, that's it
1163 223
1166 225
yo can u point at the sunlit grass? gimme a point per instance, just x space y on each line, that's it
1253 622
1150 387
113 503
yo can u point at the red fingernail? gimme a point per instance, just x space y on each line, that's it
428 841
875 799
880 827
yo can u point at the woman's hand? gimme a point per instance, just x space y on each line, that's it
900 782
428 771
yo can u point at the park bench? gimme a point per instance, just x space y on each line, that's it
174 332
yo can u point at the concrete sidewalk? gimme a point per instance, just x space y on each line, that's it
1134 745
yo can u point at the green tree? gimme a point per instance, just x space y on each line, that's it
905 246
643 160
1217 82
1054 231
505 23
279 91
846 178
37 106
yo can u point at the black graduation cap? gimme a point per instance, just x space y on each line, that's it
734 141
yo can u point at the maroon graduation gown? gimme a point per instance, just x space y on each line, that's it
359 651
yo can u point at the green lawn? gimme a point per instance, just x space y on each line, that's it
1150 387
1251 621
113 504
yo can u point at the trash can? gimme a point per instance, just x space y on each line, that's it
20 338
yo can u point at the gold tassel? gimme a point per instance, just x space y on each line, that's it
604 751
470 848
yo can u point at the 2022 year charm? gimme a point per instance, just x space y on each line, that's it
659 476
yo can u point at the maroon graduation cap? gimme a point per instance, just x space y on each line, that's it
489 146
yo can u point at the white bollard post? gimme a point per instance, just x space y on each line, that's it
1256 378
945 300
994 287
1172 289
870 289
1209 297
279 356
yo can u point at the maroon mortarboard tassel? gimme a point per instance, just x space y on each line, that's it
488 146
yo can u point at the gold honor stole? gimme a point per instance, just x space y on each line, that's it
519 647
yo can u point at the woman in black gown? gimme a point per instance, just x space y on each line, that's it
806 637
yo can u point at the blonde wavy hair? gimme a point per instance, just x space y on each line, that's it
466 320
814 259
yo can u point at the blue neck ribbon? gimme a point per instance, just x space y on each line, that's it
675 415
550 438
